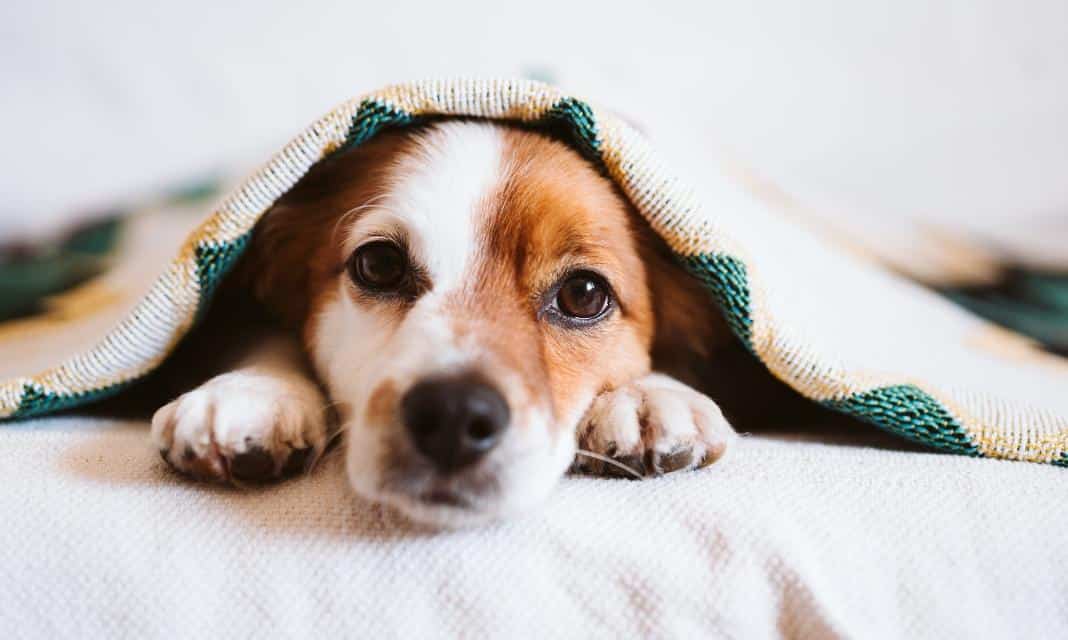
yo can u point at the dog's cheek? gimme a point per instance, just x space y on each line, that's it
363 461
581 366
527 480
342 341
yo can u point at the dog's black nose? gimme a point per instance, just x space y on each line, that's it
454 421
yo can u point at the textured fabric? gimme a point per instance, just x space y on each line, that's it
839 330
785 538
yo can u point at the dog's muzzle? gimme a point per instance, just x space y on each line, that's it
454 421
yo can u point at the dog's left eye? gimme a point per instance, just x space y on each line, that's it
583 296
379 266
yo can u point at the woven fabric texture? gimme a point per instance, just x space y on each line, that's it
785 539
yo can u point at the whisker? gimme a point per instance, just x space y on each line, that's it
331 405
611 461
341 428
355 210
335 435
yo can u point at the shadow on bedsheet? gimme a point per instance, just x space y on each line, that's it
118 453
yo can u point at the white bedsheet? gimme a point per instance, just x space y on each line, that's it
787 538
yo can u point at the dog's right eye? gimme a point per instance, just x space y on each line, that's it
379 266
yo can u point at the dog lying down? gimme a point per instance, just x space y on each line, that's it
478 308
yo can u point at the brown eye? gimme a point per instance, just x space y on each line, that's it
379 266
583 296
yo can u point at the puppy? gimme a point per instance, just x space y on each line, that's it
476 304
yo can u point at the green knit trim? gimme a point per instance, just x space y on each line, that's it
904 410
577 119
726 278
1062 461
214 261
35 401
909 412
371 117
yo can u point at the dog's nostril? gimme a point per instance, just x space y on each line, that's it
454 421
422 425
481 430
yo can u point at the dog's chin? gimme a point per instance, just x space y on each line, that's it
440 506
448 505
464 499
439 510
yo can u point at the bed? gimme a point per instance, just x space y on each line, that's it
802 535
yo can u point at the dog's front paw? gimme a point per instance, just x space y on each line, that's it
243 427
651 426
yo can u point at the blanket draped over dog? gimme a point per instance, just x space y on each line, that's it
838 328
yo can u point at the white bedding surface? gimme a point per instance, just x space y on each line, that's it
786 538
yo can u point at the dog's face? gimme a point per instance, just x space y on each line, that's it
469 289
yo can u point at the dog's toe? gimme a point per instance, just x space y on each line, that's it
298 461
254 465
679 458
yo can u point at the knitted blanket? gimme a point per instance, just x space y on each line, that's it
840 329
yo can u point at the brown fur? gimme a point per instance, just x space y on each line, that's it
383 403
554 212
296 254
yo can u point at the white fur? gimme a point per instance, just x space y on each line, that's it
436 196
267 401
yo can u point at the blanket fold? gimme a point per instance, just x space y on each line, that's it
841 330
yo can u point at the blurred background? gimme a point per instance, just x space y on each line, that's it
952 113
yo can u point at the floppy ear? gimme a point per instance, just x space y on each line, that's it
689 327
296 248
283 257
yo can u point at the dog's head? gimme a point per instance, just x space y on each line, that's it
464 290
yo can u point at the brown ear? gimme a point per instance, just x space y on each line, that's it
296 249
277 268
689 326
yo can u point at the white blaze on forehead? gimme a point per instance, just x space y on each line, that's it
435 195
